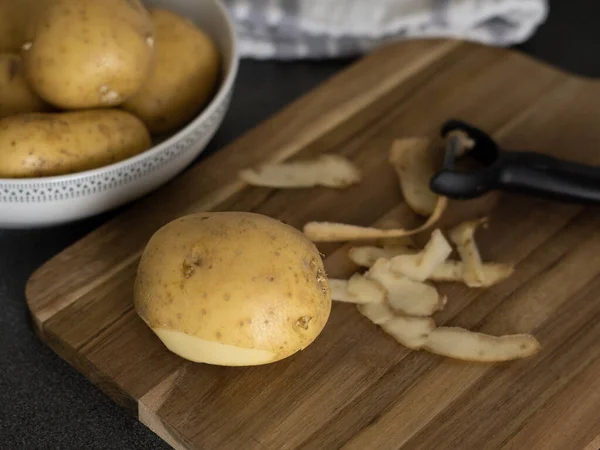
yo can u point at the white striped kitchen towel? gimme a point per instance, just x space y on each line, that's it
299 29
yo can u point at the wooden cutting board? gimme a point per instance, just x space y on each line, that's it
355 387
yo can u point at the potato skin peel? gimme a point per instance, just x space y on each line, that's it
413 161
240 279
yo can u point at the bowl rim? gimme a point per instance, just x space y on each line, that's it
224 90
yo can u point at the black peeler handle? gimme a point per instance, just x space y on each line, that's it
544 176
525 172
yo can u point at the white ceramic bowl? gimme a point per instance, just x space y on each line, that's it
35 202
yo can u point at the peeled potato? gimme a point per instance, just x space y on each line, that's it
232 289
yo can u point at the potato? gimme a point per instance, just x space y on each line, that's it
184 77
14 17
232 288
37 145
16 96
89 53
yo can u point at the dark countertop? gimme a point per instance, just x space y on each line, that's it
44 403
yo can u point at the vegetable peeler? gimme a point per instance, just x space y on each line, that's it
519 172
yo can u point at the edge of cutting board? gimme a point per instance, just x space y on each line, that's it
350 98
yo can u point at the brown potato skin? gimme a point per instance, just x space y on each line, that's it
184 77
14 18
16 96
39 145
89 53
237 278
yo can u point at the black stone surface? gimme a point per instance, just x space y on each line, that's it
44 403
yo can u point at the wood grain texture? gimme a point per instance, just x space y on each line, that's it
355 387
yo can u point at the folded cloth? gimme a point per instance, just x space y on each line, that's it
300 29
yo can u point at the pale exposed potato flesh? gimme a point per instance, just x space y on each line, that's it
191 347
335 232
417 333
463 237
357 289
339 291
493 273
378 313
404 295
449 270
411 332
420 266
367 255
415 166
327 170
459 343
360 286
